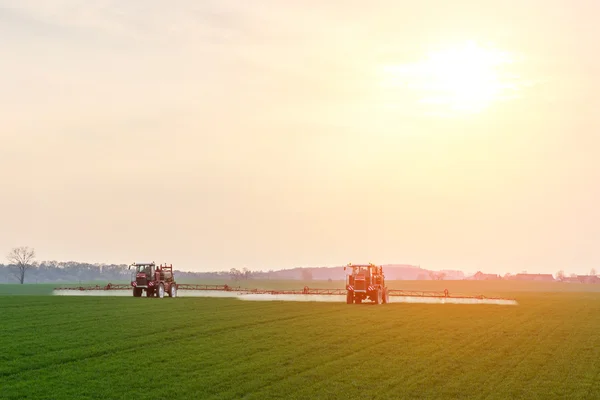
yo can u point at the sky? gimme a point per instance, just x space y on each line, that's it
275 134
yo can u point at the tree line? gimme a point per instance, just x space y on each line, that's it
23 267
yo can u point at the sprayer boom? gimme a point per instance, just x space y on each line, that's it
441 295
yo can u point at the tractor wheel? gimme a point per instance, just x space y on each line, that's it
137 292
358 300
149 292
173 290
386 296
161 291
378 297
349 297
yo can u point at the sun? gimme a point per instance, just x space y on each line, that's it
461 79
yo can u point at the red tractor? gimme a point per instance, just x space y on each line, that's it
366 282
154 280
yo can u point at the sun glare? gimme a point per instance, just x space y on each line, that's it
464 79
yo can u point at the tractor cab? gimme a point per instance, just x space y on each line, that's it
142 274
362 276
145 269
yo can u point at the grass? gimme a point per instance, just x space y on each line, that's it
42 289
218 348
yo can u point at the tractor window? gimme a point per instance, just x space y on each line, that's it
147 269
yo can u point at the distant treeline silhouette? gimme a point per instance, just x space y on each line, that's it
73 271
67 271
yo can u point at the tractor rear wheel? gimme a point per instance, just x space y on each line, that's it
386 296
378 296
349 297
173 290
161 291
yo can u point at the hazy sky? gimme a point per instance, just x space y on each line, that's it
276 134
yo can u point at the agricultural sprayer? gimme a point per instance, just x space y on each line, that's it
154 280
364 282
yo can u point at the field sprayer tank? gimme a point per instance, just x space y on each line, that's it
366 281
156 281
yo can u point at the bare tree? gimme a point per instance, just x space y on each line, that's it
593 272
235 274
560 275
21 259
436 276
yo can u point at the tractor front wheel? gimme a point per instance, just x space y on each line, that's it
378 297
137 292
349 297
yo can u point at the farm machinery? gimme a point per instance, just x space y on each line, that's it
156 281
364 282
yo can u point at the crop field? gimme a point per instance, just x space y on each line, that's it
547 347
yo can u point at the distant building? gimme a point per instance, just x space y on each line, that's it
453 275
591 279
533 277
480 276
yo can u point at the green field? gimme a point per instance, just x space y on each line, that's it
547 347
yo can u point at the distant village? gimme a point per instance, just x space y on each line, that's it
399 272
480 276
